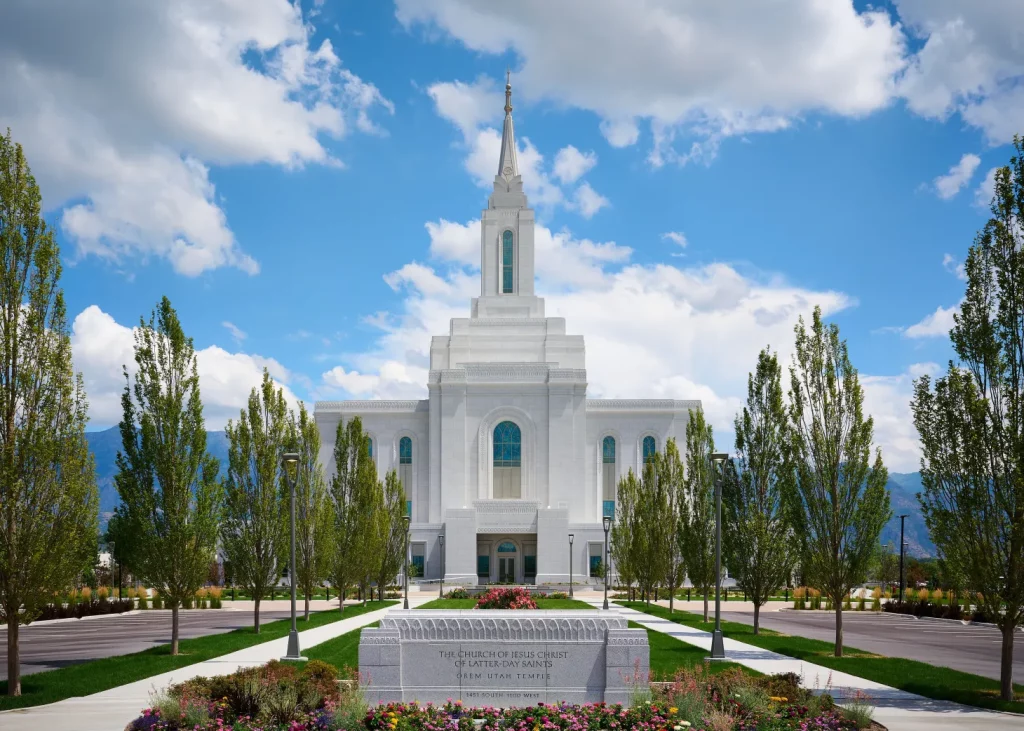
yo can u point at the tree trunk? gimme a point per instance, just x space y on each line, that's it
757 619
839 628
1006 664
705 605
174 627
306 617
671 599
13 657
256 617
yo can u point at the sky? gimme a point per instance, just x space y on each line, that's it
304 182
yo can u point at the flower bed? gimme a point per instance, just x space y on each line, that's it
508 598
279 697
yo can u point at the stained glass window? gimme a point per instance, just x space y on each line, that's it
507 445
369 447
608 450
507 262
649 449
507 547
405 451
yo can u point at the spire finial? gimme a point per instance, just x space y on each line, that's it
508 166
508 90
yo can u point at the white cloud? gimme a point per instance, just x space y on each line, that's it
587 201
986 190
887 400
676 237
948 185
571 164
123 107
951 265
689 69
468 106
102 346
971 63
236 332
455 241
937 324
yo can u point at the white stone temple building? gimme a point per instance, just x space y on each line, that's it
507 457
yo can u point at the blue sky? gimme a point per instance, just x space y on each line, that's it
303 181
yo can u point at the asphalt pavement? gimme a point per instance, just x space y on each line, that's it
50 645
970 648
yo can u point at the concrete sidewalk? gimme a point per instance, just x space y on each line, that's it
112 710
895 709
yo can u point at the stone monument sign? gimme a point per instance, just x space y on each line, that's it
502 658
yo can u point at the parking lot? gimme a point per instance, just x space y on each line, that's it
970 648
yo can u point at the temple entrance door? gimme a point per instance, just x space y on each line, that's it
506 570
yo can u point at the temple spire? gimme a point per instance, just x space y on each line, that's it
508 165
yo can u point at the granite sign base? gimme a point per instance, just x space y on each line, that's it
502 658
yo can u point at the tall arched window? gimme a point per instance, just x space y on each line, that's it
608 475
369 447
649 449
507 262
405 469
508 447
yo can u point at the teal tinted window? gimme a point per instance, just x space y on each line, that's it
649 449
405 451
417 565
595 565
609 509
408 508
369 447
507 445
608 450
507 547
530 565
507 262
483 565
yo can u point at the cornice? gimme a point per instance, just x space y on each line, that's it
374 405
641 405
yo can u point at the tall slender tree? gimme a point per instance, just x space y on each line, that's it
697 540
314 545
759 541
353 497
166 478
655 531
839 503
625 545
671 478
389 527
254 530
972 423
49 501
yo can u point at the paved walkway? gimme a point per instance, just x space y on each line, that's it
895 709
112 710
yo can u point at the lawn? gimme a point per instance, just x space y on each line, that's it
542 603
109 672
912 676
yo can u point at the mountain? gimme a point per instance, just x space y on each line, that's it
903 489
105 446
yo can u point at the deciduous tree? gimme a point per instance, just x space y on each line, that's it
672 482
972 423
254 530
353 497
49 501
624 541
166 478
697 540
389 528
314 544
839 503
758 538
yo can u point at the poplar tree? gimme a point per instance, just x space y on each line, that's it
654 532
972 424
671 477
839 502
624 541
49 501
389 527
313 518
254 531
697 539
353 498
165 476
758 539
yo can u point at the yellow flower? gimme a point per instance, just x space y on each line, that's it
673 709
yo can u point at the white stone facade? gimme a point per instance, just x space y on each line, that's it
506 508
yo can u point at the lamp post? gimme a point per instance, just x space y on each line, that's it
111 565
717 640
607 527
405 569
570 565
902 545
440 594
290 464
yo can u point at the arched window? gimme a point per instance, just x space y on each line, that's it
649 449
608 475
508 446
369 447
507 262
405 469
507 547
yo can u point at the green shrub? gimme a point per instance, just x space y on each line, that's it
459 593
143 603
559 595
158 601
860 604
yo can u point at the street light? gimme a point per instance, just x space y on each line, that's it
607 527
902 545
405 571
718 459
440 594
290 465
570 565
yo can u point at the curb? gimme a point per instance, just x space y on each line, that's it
114 614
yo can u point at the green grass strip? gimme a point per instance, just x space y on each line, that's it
95 676
471 603
930 681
